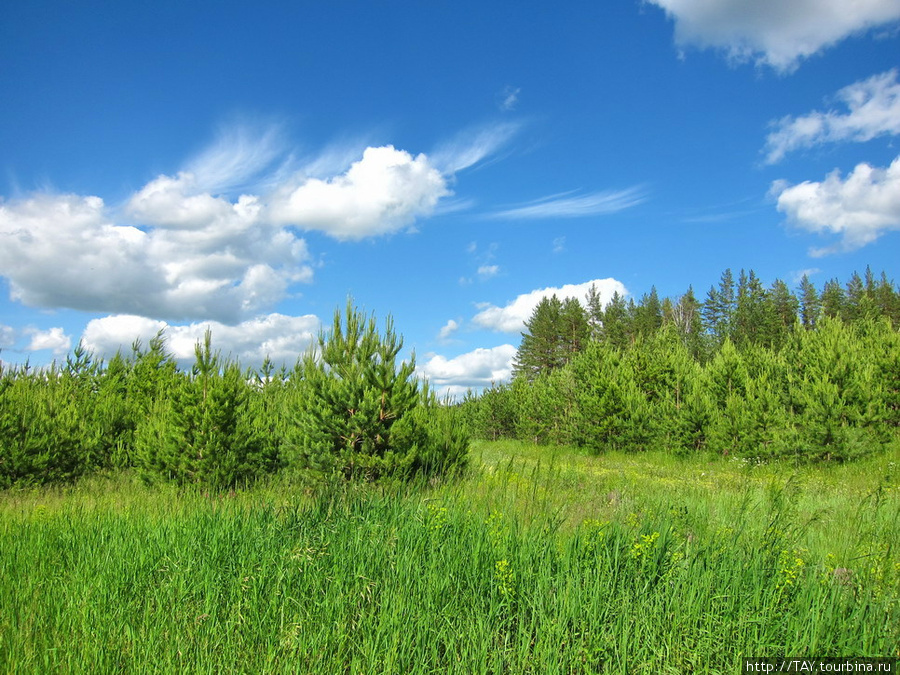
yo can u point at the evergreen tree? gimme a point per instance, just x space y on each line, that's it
810 304
574 328
751 318
648 316
687 319
617 323
781 314
201 430
541 348
554 333
886 299
857 304
361 413
833 300
719 307
594 312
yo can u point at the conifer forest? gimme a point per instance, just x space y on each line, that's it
665 485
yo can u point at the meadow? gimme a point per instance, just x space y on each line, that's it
536 560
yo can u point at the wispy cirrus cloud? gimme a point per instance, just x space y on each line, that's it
193 245
509 98
873 109
573 205
473 146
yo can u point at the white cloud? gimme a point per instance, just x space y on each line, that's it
53 339
239 157
486 272
774 32
385 191
7 336
860 209
559 244
873 110
195 256
448 330
509 98
472 147
512 317
473 370
184 248
797 276
281 338
565 206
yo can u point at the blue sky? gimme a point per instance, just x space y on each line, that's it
247 167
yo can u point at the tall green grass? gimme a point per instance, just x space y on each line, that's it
536 562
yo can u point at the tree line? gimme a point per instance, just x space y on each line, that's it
347 409
752 371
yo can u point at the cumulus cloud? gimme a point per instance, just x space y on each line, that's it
566 206
282 338
473 370
185 247
194 256
873 109
859 209
385 191
774 32
53 339
447 330
512 317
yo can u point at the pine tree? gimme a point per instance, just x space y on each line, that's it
751 319
648 315
833 300
617 323
810 304
542 347
886 299
687 319
201 430
361 413
719 308
574 328
594 312
781 313
856 305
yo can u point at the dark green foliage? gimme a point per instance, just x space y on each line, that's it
834 300
556 331
356 408
349 409
719 308
617 323
810 303
44 436
746 381
493 414
686 316
201 431
648 315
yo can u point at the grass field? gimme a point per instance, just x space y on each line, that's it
538 561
